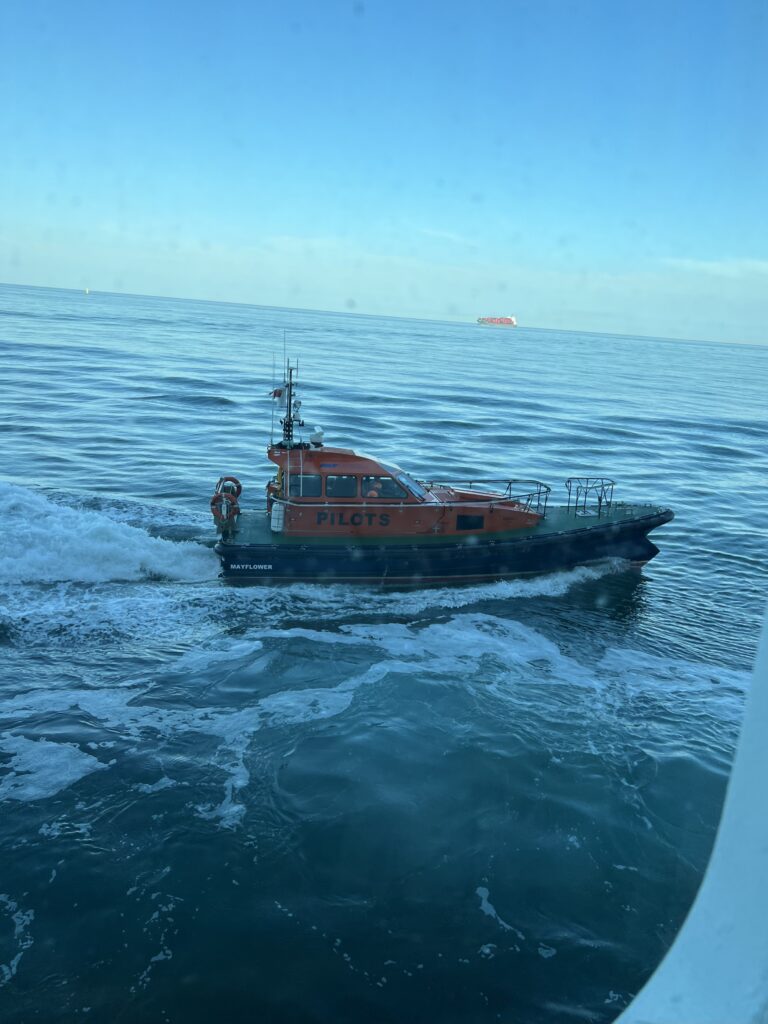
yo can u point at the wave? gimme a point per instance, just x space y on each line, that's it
52 543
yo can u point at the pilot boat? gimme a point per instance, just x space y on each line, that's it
337 515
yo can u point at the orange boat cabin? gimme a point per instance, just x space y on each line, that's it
324 492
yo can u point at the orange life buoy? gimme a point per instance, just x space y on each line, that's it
230 480
224 507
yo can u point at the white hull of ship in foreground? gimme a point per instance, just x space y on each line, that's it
716 971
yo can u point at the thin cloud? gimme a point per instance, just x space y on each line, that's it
720 268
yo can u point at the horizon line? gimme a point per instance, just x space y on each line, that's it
380 316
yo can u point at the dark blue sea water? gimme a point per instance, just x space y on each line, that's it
320 804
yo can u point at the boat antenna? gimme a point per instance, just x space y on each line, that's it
274 388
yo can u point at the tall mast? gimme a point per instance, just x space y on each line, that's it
287 420
291 413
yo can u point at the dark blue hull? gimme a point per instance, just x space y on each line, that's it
470 560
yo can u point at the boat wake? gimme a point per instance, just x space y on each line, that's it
289 680
53 543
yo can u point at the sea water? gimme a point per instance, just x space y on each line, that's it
326 804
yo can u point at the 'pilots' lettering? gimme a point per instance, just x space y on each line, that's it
355 519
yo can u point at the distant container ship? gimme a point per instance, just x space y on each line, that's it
498 321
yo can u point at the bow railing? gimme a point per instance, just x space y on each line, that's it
589 495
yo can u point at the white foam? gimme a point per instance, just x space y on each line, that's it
555 584
52 543
466 637
490 911
50 767
444 647
67 613
294 707
496 658
290 707
156 787
636 668
54 829
40 769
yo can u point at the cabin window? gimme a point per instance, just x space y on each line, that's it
306 485
382 487
470 522
341 487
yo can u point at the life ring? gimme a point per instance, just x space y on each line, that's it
230 480
224 507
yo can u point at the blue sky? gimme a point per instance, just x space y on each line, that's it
591 165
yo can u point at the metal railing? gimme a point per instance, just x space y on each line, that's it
533 494
589 495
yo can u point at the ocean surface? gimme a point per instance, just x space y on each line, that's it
322 804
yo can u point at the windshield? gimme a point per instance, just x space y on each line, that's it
412 485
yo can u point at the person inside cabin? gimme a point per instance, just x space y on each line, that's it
373 489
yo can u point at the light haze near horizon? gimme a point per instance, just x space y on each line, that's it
585 166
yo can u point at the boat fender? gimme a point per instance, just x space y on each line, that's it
277 517
224 507
229 485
